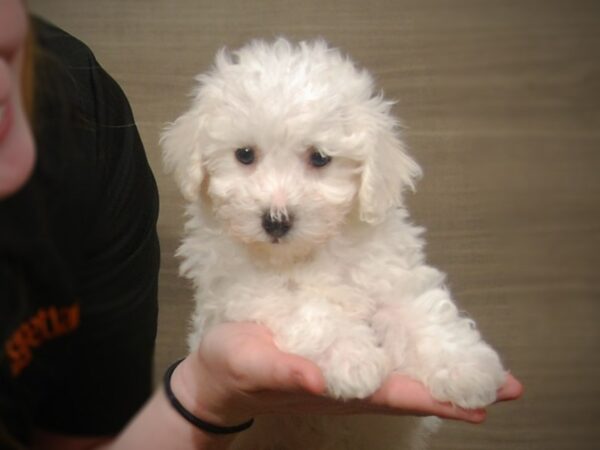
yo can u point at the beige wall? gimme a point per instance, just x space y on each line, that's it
501 100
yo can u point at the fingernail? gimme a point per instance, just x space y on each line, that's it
478 415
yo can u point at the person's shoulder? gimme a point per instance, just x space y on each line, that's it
66 64
72 52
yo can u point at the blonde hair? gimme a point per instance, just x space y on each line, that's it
28 74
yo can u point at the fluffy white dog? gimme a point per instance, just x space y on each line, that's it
293 169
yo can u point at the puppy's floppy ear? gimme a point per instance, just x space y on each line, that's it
181 153
387 171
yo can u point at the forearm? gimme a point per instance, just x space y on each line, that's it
159 426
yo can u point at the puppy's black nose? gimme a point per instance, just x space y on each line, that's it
276 227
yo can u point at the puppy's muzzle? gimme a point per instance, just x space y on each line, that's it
276 227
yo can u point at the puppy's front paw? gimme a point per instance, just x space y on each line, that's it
352 371
469 382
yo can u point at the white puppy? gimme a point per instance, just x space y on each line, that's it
293 169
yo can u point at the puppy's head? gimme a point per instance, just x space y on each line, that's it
285 141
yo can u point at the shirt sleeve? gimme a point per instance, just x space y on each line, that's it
107 376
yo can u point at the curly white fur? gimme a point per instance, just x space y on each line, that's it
347 286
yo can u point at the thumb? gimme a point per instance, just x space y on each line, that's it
294 373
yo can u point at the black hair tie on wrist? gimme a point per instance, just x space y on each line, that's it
204 426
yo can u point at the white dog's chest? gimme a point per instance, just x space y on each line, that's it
309 293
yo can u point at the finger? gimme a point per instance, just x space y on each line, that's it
511 390
288 372
401 394
296 373
270 369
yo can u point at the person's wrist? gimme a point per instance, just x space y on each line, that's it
206 396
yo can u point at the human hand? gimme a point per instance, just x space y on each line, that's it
238 372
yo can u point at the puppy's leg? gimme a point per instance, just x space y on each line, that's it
354 365
326 325
346 350
429 340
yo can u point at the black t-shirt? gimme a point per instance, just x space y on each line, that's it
79 257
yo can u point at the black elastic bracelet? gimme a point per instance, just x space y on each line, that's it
204 426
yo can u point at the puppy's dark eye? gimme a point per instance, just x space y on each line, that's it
318 159
245 155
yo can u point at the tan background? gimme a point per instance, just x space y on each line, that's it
501 100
